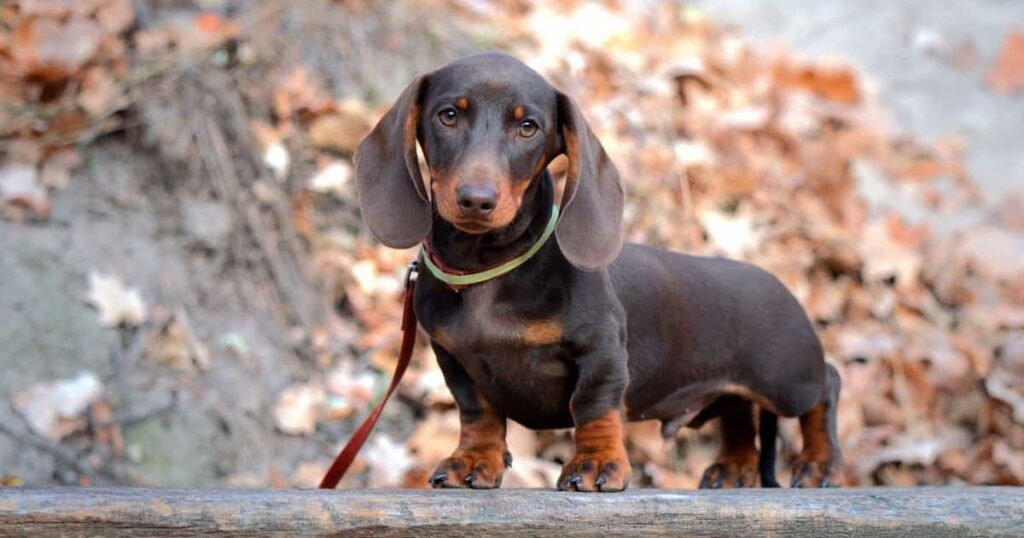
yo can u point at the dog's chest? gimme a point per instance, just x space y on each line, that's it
482 322
496 336
479 320
517 357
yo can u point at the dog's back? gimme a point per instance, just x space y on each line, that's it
709 324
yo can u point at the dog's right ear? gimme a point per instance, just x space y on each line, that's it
391 192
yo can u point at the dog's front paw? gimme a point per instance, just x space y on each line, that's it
730 474
815 474
477 468
596 472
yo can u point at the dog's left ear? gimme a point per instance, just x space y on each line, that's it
589 232
391 192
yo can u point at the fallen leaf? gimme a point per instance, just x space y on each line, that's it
19 187
348 390
53 50
11 481
47 8
387 461
298 409
733 235
106 430
117 305
333 178
341 131
277 159
308 475
435 437
98 92
115 16
54 409
885 250
57 168
981 243
175 345
1007 75
835 83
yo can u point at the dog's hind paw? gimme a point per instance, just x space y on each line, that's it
815 474
727 474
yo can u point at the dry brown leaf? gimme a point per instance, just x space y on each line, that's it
1007 75
341 131
19 187
58 166
834 83
53 50
387 461
298 408
115 15
99 91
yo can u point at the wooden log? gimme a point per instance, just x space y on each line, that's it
948 511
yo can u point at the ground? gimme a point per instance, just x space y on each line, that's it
271 317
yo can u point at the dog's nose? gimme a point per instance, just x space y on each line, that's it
476 200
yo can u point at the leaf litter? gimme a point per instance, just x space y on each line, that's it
726 149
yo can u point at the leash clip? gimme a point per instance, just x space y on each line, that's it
412 272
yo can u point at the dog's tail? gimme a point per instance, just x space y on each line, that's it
768 429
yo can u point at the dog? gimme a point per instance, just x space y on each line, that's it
584 332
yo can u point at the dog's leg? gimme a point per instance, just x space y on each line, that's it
737 463
767 431
600 463
482 456
819 463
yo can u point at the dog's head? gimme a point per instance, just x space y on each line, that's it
488 126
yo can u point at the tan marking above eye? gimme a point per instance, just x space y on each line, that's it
462 103
518 112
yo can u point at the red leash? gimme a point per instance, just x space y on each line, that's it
348 454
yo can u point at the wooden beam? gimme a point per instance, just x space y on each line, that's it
967 511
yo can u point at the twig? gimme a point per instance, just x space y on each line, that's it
63 456
127 421
291 288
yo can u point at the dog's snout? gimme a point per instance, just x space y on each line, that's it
476 200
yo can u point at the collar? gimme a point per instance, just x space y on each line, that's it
457 280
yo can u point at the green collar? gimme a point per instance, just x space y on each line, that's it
460 280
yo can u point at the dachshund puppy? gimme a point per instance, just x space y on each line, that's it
583 332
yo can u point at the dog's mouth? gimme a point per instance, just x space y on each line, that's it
472 226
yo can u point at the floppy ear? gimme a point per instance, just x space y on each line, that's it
391 193
589 231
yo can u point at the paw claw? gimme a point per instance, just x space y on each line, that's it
475 468
437 481
814 474
594 474
571 483
728 474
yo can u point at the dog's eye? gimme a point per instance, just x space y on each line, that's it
448 117
528 128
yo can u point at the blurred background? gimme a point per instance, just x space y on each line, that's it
188 297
